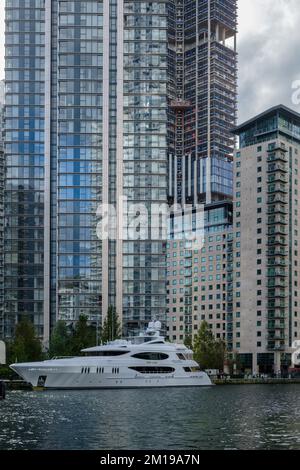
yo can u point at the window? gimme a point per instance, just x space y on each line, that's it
180 356
106 353
192 369
151 356
153 370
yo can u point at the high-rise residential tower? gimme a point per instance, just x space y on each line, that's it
86 124
266 317
2 169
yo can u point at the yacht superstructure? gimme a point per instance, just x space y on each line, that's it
146 360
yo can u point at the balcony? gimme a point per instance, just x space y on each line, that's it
277 154
277 251
277 273
277 315
277 304
277 230
277 167
276 336
277 188
276 326
277 240
277 198
277 294
277 262
188 273
277 219
276 347
277 209
277 178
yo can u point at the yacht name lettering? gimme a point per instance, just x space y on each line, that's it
110 460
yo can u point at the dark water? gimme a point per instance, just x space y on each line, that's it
229 417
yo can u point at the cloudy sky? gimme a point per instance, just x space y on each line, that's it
269 50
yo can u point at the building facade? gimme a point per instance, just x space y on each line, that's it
86 124
200 279
202 113
202 99
266 317
2 171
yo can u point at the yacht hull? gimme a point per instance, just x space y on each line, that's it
60 380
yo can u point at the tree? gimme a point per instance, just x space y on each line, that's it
84 336
111 329
25 347
60 342
208 352
188 341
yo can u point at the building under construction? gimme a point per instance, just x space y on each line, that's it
202 114
202 99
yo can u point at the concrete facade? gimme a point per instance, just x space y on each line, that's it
266 209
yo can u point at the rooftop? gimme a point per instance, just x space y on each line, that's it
279 109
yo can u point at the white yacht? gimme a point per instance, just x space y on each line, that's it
146 360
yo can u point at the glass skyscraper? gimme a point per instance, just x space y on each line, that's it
106 100
86 120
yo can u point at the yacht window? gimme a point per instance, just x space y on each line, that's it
153 370
151 356
181 356
105 353
192 369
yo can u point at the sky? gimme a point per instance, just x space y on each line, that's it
268 46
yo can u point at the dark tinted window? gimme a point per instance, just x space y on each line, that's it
106 353
181 356
153 370
151 356
192 369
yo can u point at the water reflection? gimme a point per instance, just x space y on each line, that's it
229 417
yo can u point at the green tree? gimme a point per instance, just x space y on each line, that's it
208 352
84 336
188 341
60 342
111 329
25 347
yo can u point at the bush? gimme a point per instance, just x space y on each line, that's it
7 374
